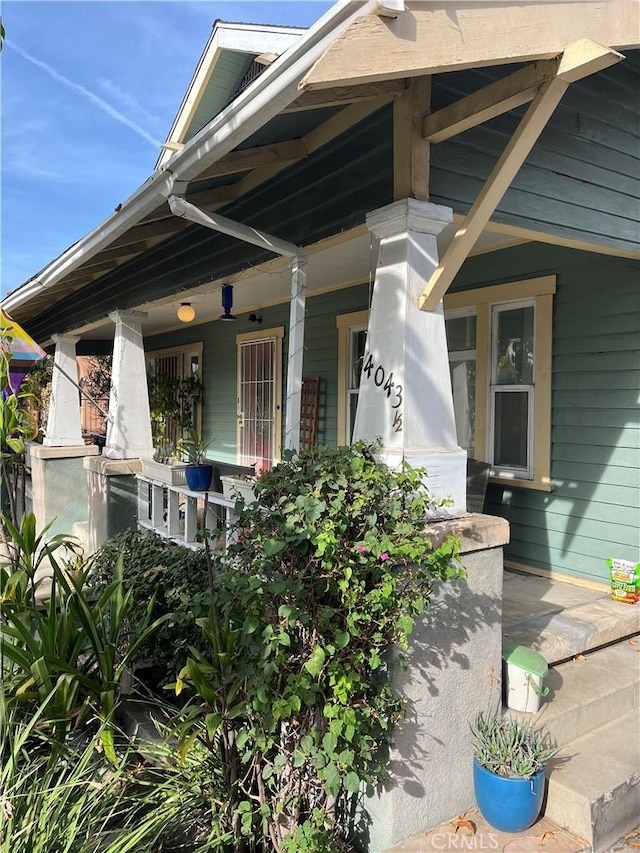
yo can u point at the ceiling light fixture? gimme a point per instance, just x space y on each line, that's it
227 302
186 312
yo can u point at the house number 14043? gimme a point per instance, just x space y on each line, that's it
385 382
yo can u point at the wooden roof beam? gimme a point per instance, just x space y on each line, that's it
343 95
254 158
579 60
315 139
487 103
431 38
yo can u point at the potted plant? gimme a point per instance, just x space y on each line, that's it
172 402
238 486
199 469
509 770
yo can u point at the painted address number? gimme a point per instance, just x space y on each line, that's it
385 381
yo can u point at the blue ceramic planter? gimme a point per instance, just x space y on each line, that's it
198 477
508 804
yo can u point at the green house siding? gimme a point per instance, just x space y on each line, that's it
321 350
582 178
593 509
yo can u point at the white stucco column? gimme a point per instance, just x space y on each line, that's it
405 389
63 421
129 424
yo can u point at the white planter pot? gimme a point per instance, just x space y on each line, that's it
172 474
233 487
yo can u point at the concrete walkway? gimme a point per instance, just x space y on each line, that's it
543 837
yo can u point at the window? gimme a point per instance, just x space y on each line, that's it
499 340
352 339
461 340
182 368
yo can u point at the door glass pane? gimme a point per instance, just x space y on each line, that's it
511 429
514 356
461 333
463 385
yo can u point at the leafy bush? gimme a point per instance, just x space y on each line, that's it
178 579
510 747
293 697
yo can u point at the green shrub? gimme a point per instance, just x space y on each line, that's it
178 579
292 697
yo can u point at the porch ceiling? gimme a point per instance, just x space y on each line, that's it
332 264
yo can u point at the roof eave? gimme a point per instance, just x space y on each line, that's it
270 93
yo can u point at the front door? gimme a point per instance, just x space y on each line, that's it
259 398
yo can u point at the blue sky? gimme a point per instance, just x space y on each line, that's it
89 90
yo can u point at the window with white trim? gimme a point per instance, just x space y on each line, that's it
499 340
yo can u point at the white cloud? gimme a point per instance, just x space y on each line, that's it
126 100
87 94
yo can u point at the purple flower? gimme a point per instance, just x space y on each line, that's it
384 556
361 549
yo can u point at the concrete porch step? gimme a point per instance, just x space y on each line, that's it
560 620
594 782
589 691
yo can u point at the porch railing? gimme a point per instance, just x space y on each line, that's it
184 516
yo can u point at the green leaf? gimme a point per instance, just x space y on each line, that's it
271 547
342 639
251 623
213 723
329 743
316 661
352 782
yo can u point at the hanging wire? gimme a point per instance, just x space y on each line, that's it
371 271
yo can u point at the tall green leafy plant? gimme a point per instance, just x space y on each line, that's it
72 649
66 798
330 569
172 402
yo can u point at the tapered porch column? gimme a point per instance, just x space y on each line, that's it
129 424
63 421
405 389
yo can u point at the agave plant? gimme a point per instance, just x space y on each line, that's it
510 747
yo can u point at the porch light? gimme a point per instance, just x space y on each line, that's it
186 312
227 302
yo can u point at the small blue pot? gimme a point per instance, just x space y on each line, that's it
198 477
509 804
